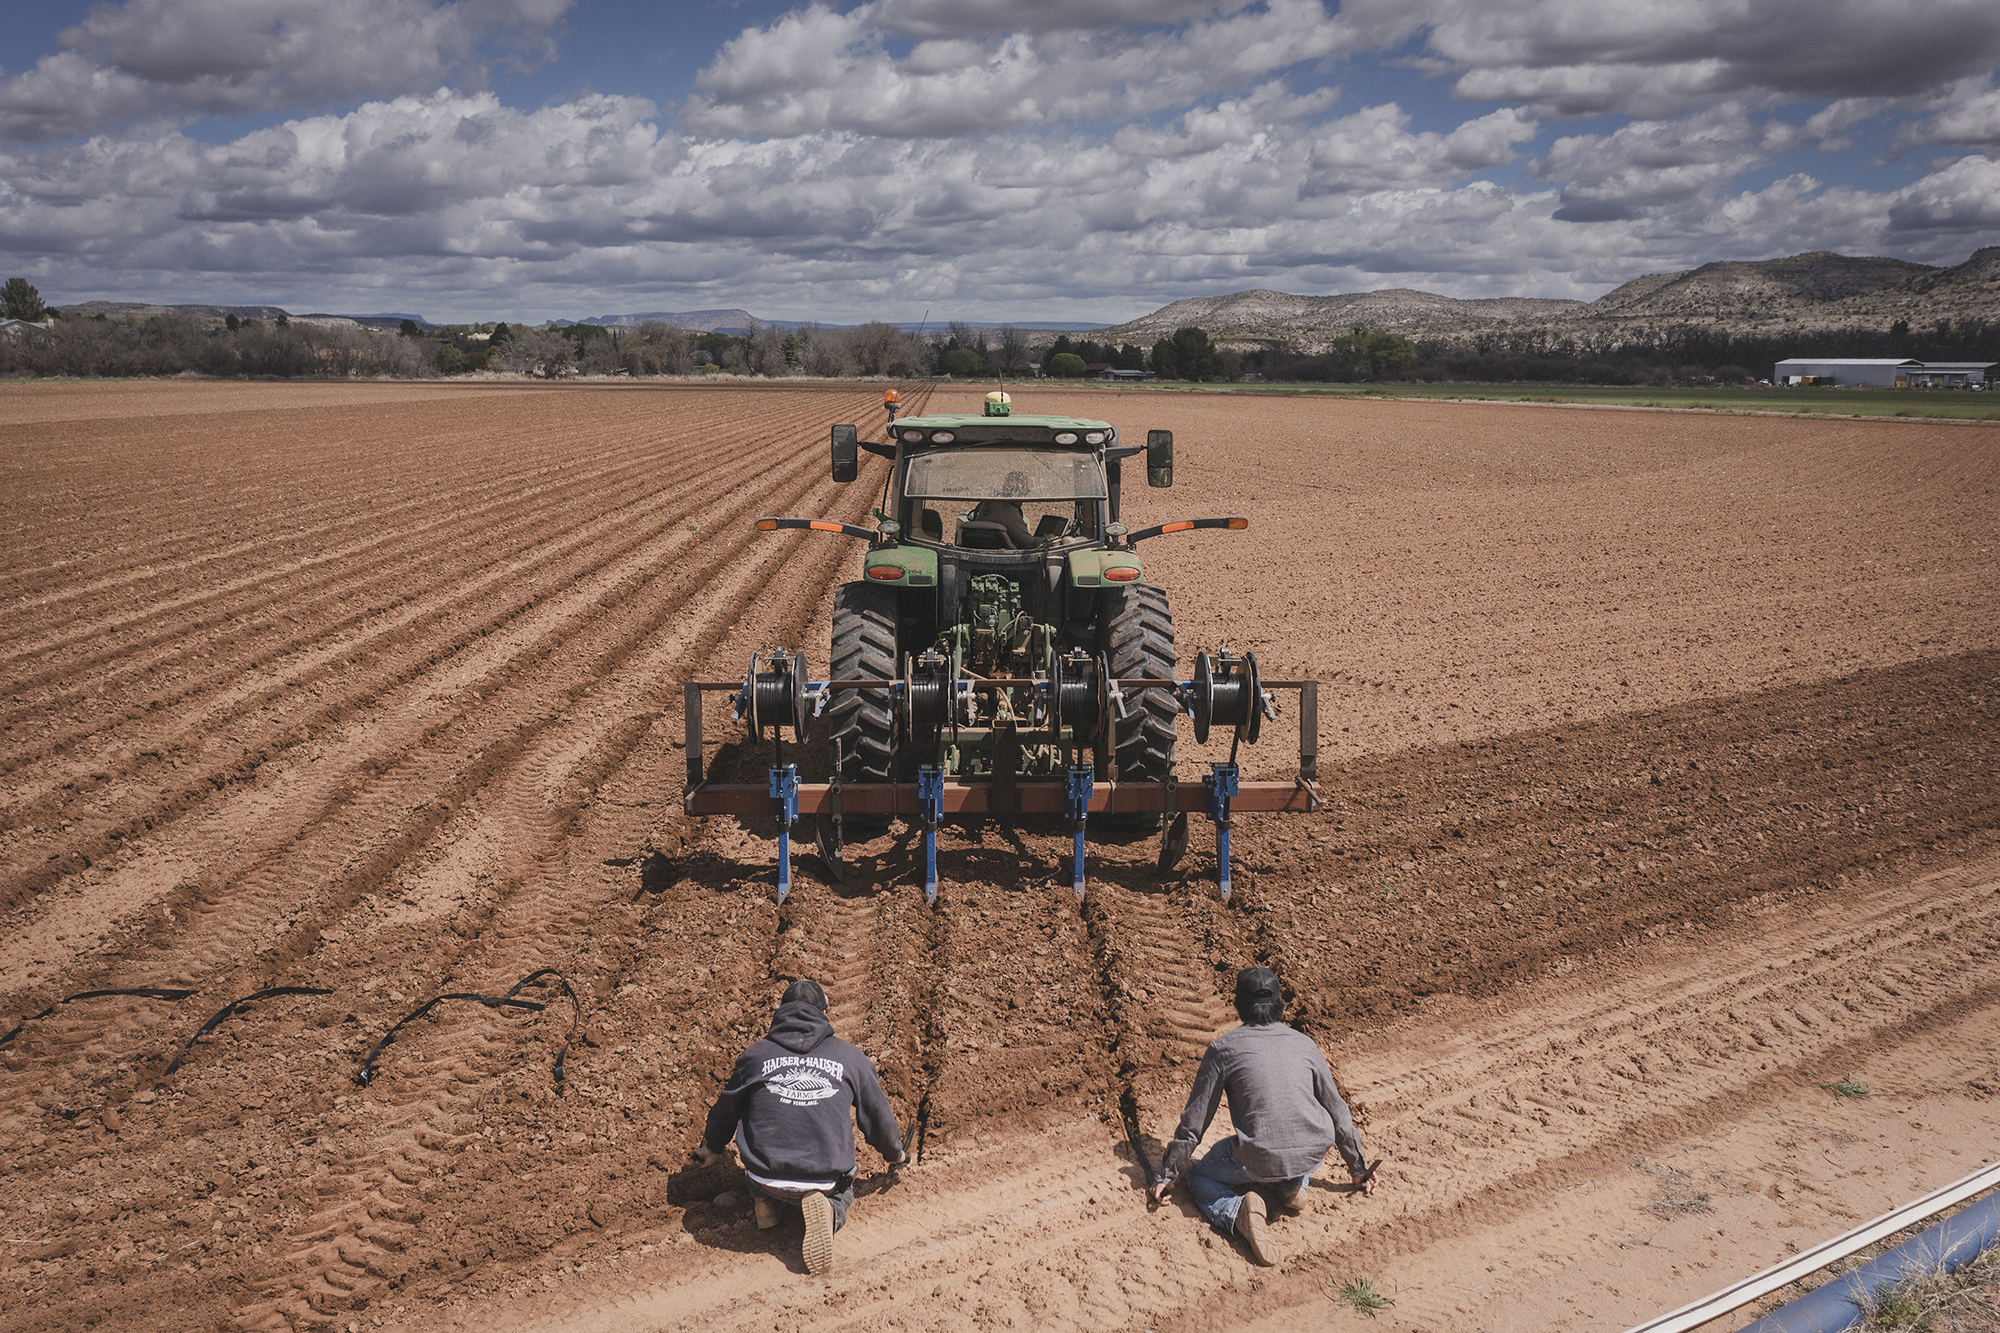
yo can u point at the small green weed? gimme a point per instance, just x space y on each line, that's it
1898 1308
1967 1299
1359 1293
1849 1087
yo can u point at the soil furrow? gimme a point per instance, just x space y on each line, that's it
427 817
87 849
329 577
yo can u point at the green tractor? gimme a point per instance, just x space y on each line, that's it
1002 653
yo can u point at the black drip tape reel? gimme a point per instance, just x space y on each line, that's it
778 698
1228 692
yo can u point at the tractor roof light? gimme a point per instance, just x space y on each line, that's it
1093 437
885 573
913 436
1066 437
942 437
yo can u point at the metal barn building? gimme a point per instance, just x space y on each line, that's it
1882 373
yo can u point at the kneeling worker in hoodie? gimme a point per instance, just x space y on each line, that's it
788 1104
1287 1113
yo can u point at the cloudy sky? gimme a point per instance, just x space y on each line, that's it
976 159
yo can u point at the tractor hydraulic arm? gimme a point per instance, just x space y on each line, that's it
818 525
1236 523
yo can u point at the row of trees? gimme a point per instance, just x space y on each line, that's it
1085 353
177 344
762 349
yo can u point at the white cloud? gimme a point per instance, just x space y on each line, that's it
1648 164
1967 114
1100 156
460 206
1374 150
1961 199
958 18
1659 57
817 69
177 60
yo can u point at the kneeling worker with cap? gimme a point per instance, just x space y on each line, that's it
787 1103
1286 1110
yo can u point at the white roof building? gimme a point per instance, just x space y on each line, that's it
1881 372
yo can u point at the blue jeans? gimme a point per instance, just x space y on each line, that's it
841 1197
1217 1183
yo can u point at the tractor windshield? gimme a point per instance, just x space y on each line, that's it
1013 474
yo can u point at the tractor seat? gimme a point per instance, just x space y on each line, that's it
931 525
979 535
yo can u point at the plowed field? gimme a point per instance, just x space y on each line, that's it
1659 756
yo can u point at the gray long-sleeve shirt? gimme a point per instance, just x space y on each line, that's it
1282 1098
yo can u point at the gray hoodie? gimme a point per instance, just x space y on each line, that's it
789 1099
1282 1099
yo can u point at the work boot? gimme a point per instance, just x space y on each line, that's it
1254 1225
767 1213
1292 1199
818 1251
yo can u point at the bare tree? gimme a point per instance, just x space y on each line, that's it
540 352
1013 353
657 349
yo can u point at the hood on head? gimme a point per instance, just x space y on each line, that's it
798 1026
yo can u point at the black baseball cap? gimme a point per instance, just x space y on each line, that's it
1257 983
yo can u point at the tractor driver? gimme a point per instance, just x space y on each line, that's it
1006 511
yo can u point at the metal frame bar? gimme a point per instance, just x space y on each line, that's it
1036 796
1076 794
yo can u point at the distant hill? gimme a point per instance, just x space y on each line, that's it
1265 314
1797 294
736 321
1812 278
143 310
699 321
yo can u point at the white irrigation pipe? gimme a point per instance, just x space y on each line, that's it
1791 1270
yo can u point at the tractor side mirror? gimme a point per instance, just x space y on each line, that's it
846 453
1159 458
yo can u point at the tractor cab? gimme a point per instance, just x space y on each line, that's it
957 490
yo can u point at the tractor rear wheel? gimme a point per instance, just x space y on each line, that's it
860 723
1137 630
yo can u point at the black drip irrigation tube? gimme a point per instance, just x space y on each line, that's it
149 992
506 1001
230 1008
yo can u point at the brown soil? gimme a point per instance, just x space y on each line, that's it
1658 753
